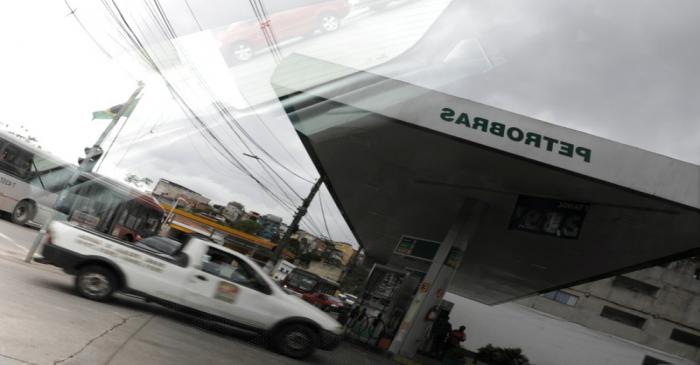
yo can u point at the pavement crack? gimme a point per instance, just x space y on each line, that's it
121 347
18 360
104 333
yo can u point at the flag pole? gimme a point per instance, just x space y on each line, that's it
86 165
126 106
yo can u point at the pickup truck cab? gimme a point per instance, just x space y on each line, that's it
201 276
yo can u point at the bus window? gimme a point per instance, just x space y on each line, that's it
111 209
15 161
151 224
136 221
92 205
49 174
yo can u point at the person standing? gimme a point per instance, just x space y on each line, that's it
456 337
441 328
454 353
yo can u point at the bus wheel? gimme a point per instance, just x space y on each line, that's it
24 212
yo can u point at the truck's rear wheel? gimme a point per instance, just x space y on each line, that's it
96 283
296 340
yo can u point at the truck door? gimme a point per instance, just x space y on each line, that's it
228 287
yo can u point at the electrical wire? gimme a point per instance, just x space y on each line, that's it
323 214
209 137
230 120
223 111
205 131
87 32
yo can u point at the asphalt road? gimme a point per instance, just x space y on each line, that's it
44 322
15 239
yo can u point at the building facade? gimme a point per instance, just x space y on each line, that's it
270 226
170 192
306 240
325 270
347 250
251 216
233 211
658 307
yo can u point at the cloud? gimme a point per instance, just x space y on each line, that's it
624 70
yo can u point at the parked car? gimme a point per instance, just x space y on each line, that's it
288 19
327 303
348 299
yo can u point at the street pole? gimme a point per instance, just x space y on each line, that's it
169 218
293 227
85 166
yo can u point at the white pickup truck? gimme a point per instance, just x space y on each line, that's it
198 275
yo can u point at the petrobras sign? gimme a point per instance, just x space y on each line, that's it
519 135
516 134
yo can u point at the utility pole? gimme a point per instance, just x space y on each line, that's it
92 155
293 227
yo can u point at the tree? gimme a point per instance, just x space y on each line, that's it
250 227
501 356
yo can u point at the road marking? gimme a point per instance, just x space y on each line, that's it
13 242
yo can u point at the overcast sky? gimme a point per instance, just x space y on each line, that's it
627 71
624 70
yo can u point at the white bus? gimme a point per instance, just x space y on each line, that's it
30 180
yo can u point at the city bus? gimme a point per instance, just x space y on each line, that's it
106 206
30 180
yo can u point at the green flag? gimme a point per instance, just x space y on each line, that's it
114 111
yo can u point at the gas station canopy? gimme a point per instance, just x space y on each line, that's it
562 207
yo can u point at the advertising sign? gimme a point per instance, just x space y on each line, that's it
563 219
454 257
226 292
417 248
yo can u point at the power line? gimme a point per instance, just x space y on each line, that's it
199 26
210 138
265 26
124 24
80 23
323 214
222 110
229 119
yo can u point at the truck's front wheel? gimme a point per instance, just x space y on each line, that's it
96 283
296 340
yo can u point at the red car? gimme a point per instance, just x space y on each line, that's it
288 19
327 303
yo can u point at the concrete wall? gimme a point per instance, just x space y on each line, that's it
675 306
545 339
325 271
